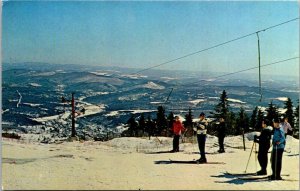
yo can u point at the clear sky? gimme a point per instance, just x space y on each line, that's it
143 34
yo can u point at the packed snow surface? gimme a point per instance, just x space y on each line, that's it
138 163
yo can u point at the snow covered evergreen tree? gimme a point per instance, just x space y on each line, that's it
242 123
161 121
150 126
171 119
260 117
133 125
222 110
142 124
288 105
253 119
231 123
272 112
222 107
188 123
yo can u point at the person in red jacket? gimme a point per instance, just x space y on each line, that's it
177 130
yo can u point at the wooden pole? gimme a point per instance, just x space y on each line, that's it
244 139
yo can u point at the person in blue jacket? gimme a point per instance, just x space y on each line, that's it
278 142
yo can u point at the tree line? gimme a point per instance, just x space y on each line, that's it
236 123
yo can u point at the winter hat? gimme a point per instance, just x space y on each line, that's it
202 114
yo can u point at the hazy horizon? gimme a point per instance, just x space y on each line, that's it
161 72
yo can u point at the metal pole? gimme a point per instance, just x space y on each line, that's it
73 117
259 67
169 95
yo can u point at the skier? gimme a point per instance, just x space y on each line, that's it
286 126
177 128
278 147
264 144
201 129
221 134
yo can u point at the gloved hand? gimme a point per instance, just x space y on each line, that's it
202 126
255 139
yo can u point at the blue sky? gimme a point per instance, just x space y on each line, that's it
143 34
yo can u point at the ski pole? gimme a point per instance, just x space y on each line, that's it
158 140
193 142
275 161
183 136
249 157
255 157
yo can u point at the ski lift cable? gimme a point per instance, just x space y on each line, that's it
240 71
218 45
228 74
244 70
215 46
224 43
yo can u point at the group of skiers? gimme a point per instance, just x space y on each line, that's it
269 128
200 129
278 142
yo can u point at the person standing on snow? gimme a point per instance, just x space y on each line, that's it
221 134
286 126
264 144
177 128
278 147
201 128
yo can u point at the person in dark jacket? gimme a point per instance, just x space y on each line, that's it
221 134
278 142
177 128
264 144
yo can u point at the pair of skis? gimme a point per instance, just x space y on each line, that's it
192 162
254 176
170 161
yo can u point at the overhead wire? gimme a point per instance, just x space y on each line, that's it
223 75
218 45
215 46
244 70
236 72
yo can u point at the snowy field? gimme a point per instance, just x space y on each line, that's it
138 163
